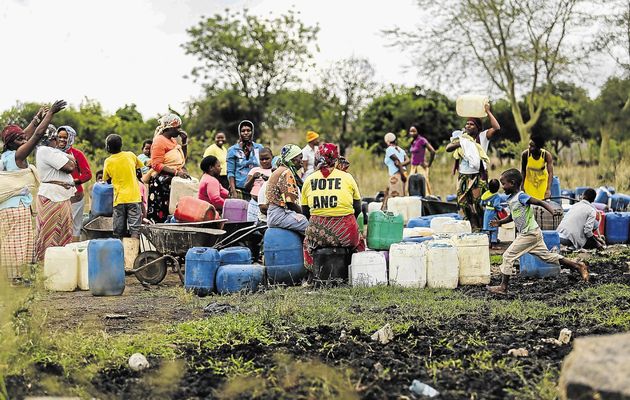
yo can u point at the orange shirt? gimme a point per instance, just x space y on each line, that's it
161 145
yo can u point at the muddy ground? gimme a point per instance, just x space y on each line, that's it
326 361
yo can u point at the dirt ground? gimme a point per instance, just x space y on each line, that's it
463 357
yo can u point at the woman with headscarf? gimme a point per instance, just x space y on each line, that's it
283 192
331 200
168 159
54 212
470 148
396 159
65 140
241 158
18 178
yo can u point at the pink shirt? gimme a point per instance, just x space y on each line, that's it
210 190
258 182
143 192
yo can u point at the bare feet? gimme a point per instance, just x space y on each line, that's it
497 289
583 270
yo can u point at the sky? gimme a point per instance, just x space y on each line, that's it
129 51
121 52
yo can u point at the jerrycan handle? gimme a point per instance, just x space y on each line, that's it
389 214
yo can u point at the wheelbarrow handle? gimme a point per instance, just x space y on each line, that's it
248 230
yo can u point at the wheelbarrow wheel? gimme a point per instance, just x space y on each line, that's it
154 273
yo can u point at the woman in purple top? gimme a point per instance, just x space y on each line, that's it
419 164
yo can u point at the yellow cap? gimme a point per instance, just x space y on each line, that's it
310 136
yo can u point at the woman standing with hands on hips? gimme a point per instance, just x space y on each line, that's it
168 159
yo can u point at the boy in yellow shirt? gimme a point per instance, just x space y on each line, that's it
120 170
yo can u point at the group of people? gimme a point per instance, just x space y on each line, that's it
307 190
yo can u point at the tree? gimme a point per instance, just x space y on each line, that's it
351 81
395 111
614 36
519 47
252 55
609 113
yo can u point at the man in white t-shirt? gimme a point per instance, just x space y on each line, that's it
308 153
472 181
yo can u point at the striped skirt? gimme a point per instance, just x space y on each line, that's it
54 225
16 239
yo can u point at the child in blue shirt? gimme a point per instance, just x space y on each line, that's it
491 201
529 238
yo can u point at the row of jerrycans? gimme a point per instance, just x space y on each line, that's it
444 262
95 265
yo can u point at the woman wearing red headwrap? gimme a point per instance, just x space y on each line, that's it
331 198
472 179
16 227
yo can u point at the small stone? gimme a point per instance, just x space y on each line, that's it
551 341
383 335
379 367
520 352
138 362
565 336
116 316
343 335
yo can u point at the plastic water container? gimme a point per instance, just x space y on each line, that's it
412 232
192 209
384 228
474 258
60 269
507 232
80 249
436 223
425 221
534 266
330 265
417 239
442 264
451 198
555 189
102 200
567 193
404 268
284 257
106 267
417 185
236 255
619 202
600 206
234 278
408 207
471 105
601 228
603 195
617 227
235 210
181 187
374 206
131 248
368 268
453 226
201 269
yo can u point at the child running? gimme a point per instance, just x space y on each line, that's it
529 238
255 178
120 169
492 202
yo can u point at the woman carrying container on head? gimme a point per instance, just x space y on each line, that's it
537 169
65 140
469 148
168 159
54 211
331 200
16 179
396 159
241 158
283 192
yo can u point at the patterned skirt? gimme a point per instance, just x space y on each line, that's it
16 239
54 225
159 198
331 232
396 186
469 191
